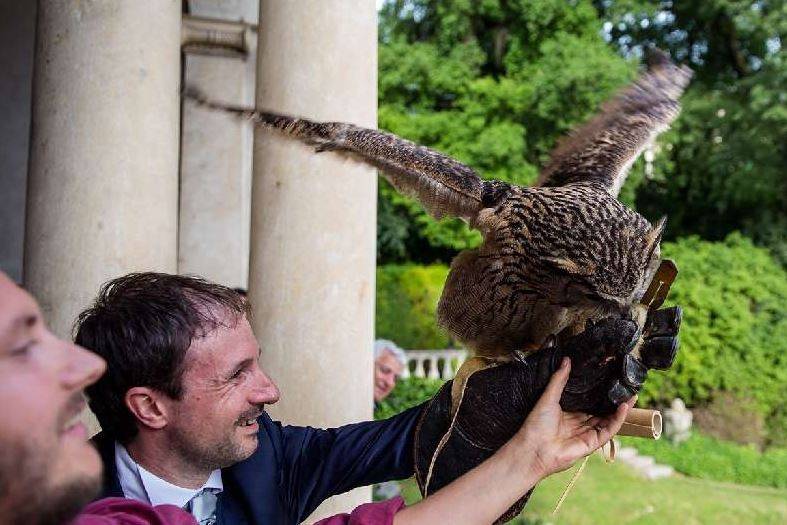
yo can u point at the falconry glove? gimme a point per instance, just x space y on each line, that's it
497 399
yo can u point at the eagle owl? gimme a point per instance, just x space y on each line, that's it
553 255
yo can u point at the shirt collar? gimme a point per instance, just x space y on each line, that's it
140 484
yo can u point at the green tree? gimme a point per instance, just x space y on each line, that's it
722 167
407 297
496 82
493 83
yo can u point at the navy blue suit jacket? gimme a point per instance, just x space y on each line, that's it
294 469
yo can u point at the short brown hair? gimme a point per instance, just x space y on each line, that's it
142 324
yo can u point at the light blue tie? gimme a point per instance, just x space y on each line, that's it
203 506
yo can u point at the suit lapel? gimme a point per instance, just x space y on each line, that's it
105 444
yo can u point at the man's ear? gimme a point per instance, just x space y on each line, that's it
146 404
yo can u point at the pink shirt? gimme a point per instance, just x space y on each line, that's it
122 511
378 513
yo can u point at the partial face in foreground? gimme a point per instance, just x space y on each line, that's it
48 470
386 369
213 425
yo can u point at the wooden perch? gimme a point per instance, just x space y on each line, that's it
642 422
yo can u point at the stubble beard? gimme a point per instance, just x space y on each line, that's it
28 498
220 454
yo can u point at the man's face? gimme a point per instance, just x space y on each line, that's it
48 470
386 369
213 424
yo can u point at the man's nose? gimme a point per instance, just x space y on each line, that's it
265 390
81 367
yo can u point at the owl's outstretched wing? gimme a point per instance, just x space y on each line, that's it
444 186
603 149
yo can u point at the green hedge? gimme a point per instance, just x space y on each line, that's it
708 458
407 298
734 332
733 338
407 393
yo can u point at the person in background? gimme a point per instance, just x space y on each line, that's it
389 363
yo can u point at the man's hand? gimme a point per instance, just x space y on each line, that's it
497 401
551 440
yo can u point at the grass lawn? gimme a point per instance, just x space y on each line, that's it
612 494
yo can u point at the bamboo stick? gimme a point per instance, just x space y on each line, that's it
642 422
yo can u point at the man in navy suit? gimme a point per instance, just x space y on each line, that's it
183 402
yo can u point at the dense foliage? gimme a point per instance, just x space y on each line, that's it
495 83
491 83
406 302
733 336
722 167
732 339
407 393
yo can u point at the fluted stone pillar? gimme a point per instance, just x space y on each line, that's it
313 216
103 187
215 173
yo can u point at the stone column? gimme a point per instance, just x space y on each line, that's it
215 173
17 41
103 183
313 216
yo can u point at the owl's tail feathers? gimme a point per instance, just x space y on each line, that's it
443 186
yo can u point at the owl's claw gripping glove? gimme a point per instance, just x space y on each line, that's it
604 370
497 400
661 338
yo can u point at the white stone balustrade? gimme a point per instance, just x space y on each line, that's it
434 364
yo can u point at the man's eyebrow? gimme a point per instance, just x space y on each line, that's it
20 323
240 366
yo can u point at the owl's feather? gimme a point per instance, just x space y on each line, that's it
443 185
603 149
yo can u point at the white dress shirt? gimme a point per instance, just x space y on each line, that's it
139 484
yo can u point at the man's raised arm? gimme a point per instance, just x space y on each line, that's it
319 463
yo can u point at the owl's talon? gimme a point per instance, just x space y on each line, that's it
618 335
664 322
619 393
660 352
629 340
519 356
634 372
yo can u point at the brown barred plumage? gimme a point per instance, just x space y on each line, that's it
554 255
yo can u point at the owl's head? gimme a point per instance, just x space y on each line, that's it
615 278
